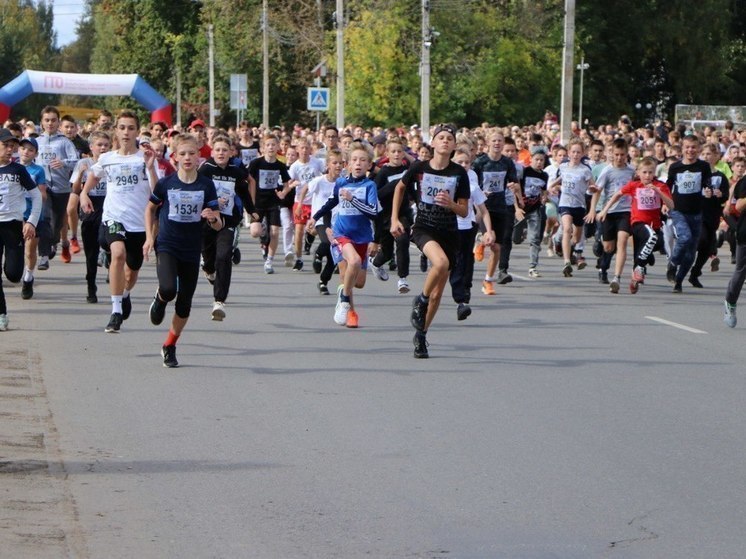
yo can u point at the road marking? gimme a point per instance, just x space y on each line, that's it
676 325
524 278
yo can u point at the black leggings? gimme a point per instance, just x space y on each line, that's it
90 233
388 243
11 243
217 252
56 212
324 250
645 239
177 279
707 245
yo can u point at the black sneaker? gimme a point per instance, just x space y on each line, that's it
392 265
126 307
694 280
671 273
504 277
651 259
27 289
298 265
157 311
420 346
91 298
567 270
115 323
463 311
677 287
323 289
236 256
603 277
423 263
317 264
169 356
307 243
419 312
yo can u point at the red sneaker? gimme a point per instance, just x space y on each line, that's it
352 319
74 246
66 257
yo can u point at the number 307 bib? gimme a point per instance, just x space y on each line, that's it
185 206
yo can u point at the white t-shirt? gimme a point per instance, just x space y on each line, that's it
320 189
304 173
477 197
575 181
127 188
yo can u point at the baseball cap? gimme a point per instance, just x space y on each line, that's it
6 135
31 141
537 149
450 128
197 122
378 140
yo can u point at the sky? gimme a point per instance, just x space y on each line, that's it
66 14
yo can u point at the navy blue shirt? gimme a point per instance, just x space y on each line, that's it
180 221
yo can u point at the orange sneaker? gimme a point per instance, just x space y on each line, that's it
74 246
352 319
479 252
488 288
66 257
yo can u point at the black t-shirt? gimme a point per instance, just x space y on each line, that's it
423 184
739 191
232 190
533 184
686 182
386 180
712 208
494 176
268 177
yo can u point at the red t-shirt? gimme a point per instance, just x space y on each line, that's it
646 202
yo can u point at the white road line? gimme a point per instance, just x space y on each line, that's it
676 325
524 278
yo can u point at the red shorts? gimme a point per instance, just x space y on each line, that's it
305 213
361 249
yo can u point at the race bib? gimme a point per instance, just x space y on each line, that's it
647 199
268 180
248 155
226 191
493 181
44 158
346 207
533 187
4 197
124 178
689 183
99 189
185 206
715 182
569 184
432 185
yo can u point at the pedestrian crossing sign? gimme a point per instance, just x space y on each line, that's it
318 99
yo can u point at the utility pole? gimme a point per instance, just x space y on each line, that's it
211 64
265 72
567 71
425 72
583 66
178 94
340 65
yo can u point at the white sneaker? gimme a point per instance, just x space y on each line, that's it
533 273
341 310
3 322
210 277
289 260
729 317
403 285
268 269
378 271
218 311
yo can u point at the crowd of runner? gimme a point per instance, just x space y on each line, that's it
461 196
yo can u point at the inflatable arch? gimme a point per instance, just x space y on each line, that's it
33 81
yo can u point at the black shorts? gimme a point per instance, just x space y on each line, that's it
272 215
448 241
577 214
499 222
614 223
133 242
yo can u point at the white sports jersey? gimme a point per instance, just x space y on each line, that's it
127 188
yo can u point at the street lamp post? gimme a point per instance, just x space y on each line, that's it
583 66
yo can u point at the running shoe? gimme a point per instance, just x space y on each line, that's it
157 311
677 287
298 266
729 317
402 285
638 275
126 307
423 263
236 256
52 252
289 259
27 289
534 273
392 265
340 312
268 269
115 323
66 256
169 356
3 322
323 289
671 273
614 285
353 320
715 264
581 261
488 288
567 270
218 311
91 298
550 251
603 277
210 276
317 264
633 285
378 271
463 311
43 263
479 252
419 313
694 280
74 246
420 346
504 277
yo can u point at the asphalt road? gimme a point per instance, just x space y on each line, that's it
558 421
